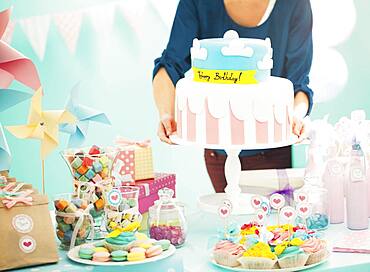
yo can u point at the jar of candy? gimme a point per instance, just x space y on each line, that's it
318 219
73 220
167 219
122 207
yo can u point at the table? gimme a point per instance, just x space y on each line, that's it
194 255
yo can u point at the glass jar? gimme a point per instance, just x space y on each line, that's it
122 207
318 200
167 219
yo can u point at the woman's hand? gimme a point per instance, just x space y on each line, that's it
300 111
166 128
299 128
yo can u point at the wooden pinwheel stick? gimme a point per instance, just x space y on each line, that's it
43 175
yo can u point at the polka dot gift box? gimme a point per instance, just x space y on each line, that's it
134 161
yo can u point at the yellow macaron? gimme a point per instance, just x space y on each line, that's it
100 249
135 256
145 245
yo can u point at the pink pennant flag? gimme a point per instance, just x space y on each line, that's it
69 26
13 65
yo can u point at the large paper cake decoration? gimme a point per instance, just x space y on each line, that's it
13 65
85 115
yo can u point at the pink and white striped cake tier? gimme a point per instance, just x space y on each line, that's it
241 115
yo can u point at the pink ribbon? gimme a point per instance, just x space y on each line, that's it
10 201
126 142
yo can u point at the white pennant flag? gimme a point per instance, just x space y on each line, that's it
36 29
102 18
133 12
166 10
8 34
69 26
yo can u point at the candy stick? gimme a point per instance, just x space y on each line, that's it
260 217
277 201
289 214
224 212
304 210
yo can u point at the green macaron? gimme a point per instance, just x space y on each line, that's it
86 253
119 255
165 244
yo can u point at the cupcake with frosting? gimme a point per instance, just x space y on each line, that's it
120 242
290 254
316 249
227 253
258 256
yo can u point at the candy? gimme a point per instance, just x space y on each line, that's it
69 219
94 150
77 202
61 204
76 163
68 236
76 175
104 172
317 221
132 202
99 204
97 178
83 179
173 233
71 208
82 169
64 227
60 234
97 166
94 198
87 162
89 174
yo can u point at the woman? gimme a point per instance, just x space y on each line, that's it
288 23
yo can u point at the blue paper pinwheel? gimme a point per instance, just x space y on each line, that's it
84 115
8 98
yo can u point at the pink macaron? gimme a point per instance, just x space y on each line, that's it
101 257
138 250
153 251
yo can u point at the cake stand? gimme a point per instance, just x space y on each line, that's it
240 201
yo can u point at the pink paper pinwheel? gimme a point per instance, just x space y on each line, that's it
13 65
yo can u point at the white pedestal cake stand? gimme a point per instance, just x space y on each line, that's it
241 201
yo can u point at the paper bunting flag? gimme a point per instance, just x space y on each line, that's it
5 156
13 65
42 125
84 115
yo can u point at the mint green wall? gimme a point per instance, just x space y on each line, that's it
118 81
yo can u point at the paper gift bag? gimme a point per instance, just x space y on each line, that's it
133 162
27 235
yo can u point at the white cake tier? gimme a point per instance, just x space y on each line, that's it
220 115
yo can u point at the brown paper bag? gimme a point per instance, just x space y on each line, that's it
27 234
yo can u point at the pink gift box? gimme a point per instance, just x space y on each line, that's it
149 189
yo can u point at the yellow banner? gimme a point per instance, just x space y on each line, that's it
225 76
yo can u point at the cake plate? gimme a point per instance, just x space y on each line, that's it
240 201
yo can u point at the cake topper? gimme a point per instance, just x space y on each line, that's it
300 197
256 201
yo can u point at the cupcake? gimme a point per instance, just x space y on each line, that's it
227 253
258 256
290 254
316 249
120 242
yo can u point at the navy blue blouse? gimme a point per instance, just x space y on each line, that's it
289 27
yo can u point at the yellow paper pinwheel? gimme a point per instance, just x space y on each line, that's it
117 230
42 125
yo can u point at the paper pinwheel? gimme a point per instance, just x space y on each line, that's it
13 65
42 125
8 98
84 115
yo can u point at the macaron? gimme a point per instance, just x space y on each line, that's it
99 243
145 245
135 256
86 253
153 251
119 255
165 244
101 257
101 249
137 250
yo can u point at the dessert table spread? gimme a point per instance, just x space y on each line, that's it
194 256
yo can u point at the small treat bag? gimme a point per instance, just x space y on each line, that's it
134 161
73 220
122 208
26 229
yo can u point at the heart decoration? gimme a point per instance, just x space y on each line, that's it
288 213
303 210
27 244
224 211
277 201
256 202
300 197
265 207
114 197
260 216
